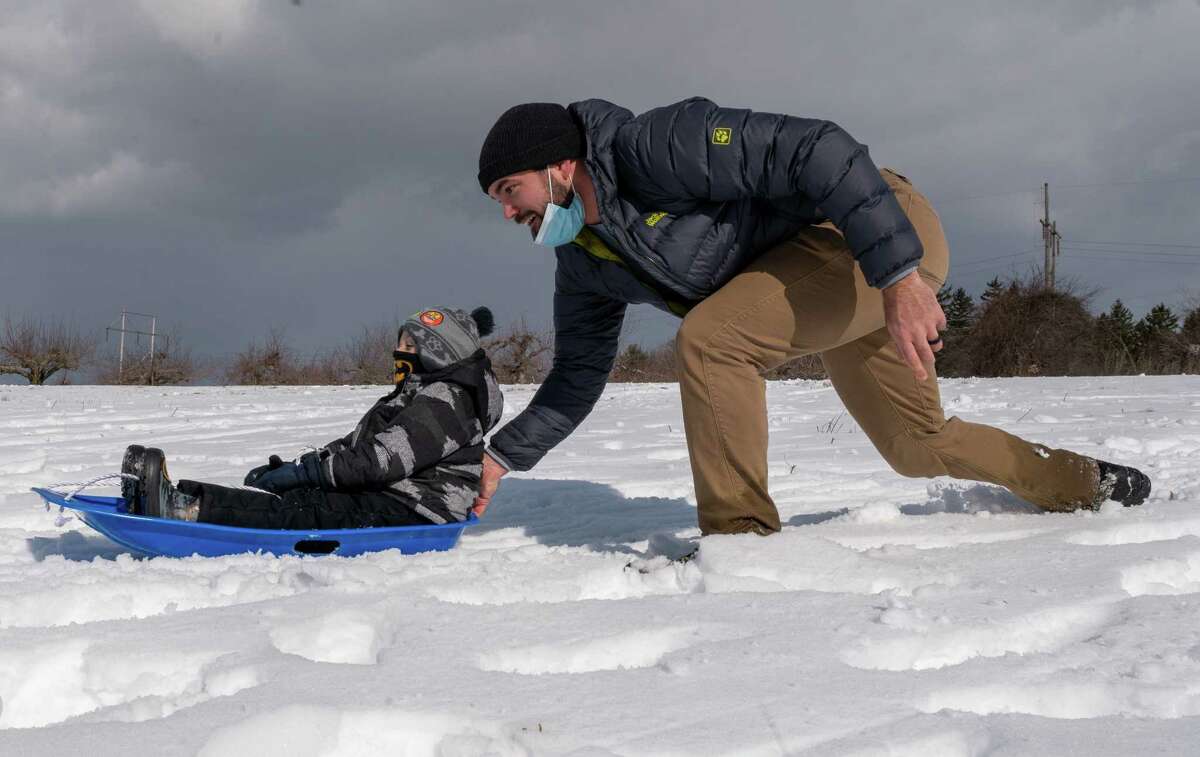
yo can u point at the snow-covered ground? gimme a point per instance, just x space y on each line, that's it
891 617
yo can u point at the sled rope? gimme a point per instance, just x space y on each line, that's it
87 484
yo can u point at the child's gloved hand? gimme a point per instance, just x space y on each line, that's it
256 473
303 473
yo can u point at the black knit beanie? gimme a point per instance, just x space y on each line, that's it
528 137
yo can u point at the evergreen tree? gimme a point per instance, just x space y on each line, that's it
1158 345
955 359
944 295
1116 337
1191 327
994 290
1160 320
1118 323
960 311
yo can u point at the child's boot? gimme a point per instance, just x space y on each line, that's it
132 464
159 497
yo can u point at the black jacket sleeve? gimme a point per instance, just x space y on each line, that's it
438 421
338 445
699 150
587 328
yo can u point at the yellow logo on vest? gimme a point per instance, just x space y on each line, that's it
654 218
722 135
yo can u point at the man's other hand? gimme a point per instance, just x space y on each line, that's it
914 319
489 480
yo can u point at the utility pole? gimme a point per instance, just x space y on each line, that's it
1046 234
1056 237
1050 238
152 333
121 359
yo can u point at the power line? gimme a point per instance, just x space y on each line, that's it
1146 253
1181 292
1133 244
1135 253
1182 180
1126 261
950 200
970 263
1100 257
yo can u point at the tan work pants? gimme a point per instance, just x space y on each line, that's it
807 295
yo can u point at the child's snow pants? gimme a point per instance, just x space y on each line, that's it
299 509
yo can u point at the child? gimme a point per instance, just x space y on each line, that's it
415 458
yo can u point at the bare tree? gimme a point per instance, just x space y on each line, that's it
520 355
36 350
1190 336
631 365
803 367
363 359
274 363
366 358
1029 329
636 364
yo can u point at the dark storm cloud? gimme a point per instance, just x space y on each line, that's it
232 165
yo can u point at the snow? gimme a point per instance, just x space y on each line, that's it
891 617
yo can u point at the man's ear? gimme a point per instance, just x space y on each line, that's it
565 170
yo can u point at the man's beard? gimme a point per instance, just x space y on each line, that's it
524 220
562 196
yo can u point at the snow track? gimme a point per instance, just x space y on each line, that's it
634 649
891 617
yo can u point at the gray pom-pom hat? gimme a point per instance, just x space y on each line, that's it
445 336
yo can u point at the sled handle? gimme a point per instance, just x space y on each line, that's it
316 546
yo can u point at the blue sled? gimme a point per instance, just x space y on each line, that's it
173 538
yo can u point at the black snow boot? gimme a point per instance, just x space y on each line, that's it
159 497
1119 483
132 464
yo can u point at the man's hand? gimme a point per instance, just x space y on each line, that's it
914 319
488 481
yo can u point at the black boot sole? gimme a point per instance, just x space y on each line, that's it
1139 486
132 464
154 472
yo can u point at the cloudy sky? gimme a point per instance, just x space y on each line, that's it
237 165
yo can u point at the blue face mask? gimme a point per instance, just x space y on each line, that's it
559 225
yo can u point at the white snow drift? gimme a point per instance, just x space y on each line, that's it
891 617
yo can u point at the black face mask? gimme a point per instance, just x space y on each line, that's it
407 363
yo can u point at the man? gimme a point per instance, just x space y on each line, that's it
774 237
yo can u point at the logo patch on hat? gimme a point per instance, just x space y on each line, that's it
432 318
722 135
